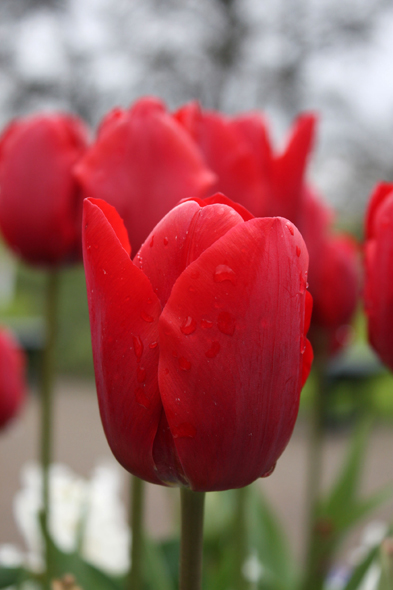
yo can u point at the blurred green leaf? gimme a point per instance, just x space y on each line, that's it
157 572
10 576
270 543
361 570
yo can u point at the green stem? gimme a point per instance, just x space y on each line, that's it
191 543
136 526
240 538
315 573
47 378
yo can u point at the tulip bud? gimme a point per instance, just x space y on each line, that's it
12 384
199 343
40 202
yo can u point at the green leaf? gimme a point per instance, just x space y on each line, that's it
10 576
156 569
270 543
360 571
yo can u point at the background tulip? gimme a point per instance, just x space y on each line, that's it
378 292
40 202
143 162
12 383
199 343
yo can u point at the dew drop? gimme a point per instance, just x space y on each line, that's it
213 350
141 398
146 317
226 323
153 345
298 251
184 364
185 430
224 273
290 229
269 471
166 241
152 242
303 342
188 326
140 375
206 324
194 274
138 347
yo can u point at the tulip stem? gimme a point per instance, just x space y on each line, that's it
136 526
314 568
47 378
191 543
240 538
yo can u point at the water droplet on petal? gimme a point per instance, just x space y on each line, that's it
224 273
138 347
152 242
188 326
191 289
290 229
226 323
140 375
184 430
298 251
269 471
153 345
146 317
206 324
303 342
184 364
166 371
166 241
213 350
141 398
194 274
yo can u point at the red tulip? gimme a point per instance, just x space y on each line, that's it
40 203
378 290
143 162
199 343
238 149
12 384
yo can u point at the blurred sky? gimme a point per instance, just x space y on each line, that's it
281 56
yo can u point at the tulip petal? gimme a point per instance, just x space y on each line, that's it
379 195
124 312
179 238
225 381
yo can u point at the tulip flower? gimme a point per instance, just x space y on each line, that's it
199 342
239 151
378 292
143 162
12 382
40 202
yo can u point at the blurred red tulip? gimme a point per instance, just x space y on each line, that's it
238 149
12 383
143 163
378 292
40 203
199 344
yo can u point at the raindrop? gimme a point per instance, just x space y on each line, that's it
224 273
184 364
140 375
185 430
153 345
188 326
213 350
166 241
146 317
194 274
138 347
269 471
303 341
298 251
226 323
152 242
206 324
290 229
